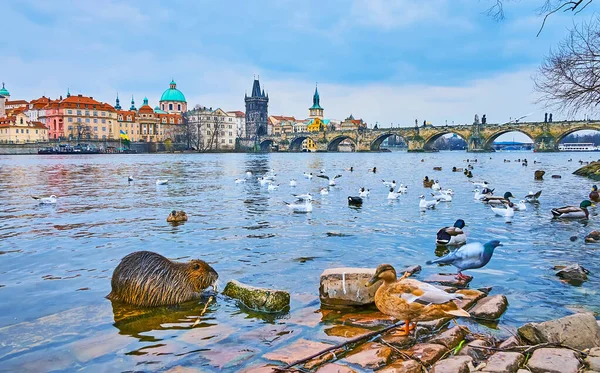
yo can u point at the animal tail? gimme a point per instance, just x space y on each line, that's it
443 260
459 312
555 212
443 237
34 197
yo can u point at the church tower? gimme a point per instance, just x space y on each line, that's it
316 111
257 112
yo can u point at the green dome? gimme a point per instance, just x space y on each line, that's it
4 92
158 111
172 94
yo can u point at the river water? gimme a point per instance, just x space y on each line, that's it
56 261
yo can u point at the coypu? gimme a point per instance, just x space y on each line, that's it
177 216
539 175
148 279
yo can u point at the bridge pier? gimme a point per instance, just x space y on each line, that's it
545 143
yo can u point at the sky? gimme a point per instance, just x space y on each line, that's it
386 61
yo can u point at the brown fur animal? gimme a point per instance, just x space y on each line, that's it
148 279
177 217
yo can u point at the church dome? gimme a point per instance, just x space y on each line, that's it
4 92
172 94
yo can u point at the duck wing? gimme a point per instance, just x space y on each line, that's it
416 291
336 176
454 231
323 176
566 210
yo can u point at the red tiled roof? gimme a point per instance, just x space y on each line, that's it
72 102
16 102
283 117
237 113
146 109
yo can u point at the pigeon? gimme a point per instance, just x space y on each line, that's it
470 256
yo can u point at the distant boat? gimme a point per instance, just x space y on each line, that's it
578 147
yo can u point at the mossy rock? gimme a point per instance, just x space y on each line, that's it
258 299
591 171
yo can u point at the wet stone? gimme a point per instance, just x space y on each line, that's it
408 366
579 331
469 297
258 299
448 279
427 353
471 349
346 287
397 339
335 368
182 369
510 343
368 319
490 308
449 338
573 273
296 351
346 331
370 355
504 362
455 364
553 360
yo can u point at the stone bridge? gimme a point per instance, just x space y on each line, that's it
479 137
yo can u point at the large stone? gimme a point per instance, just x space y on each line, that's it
593 362
368 319
490 308
591 171
346 331
509 343
504 362
449 338
448 280
553 360
346 286
408 366
469 297
477 354
258 299
335 368
577 331
455 364
300 349
573 273
426 353
370 355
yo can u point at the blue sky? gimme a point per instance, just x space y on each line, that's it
387 61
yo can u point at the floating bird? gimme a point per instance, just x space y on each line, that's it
162 181
239 181
402 189
300 206
593 237
507 212
392 194
427 183
303 197
478 196
521 206
322 171
374 170
496 200
436 186
389 184
442 197
331 180
272 187
264 181
364 192
412 300
533 197
481 184
452 236
248 174
324 191
308 176
130 178
293 183
46 200
424 204
449 192
355 201
573 212
594 196
470 256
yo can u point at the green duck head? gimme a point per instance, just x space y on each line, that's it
585 204
594 188
459 224
508 195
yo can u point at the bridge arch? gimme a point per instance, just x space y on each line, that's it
376 143
585 127
266 145
428 145
334 144
296 143
490 140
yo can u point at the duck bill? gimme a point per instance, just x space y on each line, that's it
372 281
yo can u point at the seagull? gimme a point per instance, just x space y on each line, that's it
470 256
442 197
130 178
248 174
272 187
392 194
480 195
46 200
324 191
162 181
331 180
322 171
424 204
239 181
521 206
264 181
533 197
391 184
402 189
482 184
449 192
364 192
436 186
293 182
303 197
300 206
506 212
308 176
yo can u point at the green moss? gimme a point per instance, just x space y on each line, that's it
258 299
591 171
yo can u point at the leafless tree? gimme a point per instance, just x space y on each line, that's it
569 77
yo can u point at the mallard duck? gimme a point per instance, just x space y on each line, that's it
593 237
355 201
573 212
471 256
177 217
455 169
452 236
427 183
594 196
412 300
497 200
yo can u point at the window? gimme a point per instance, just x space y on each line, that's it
170 106
26 131
70 128
21 120
230 133
230 121
230 126
95 120
78 111
87 120
120 124
96 129
103 121
87 113
70 119
163 106
222 141
230 141
104 113
69 111
22 131
95 113
179 107
36 132
103 129
78 120
129 118
164 120
172 120
126 125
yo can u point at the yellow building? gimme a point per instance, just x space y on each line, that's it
316 125
18 129
309 145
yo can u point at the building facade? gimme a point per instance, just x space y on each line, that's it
172 100
212 130
18 129
257 112
240 121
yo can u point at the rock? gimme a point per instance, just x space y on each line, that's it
319 360
490 308
397 339
572 272
346 287
412 269
408 366
469 297
523 371
426 353
335 368
182 369
510 343
455 364
553 360
346 331
449 338
577 331
448 280
367 319
504 362
259 369
258 299
298 350
594 351
591 171
539 175
370 355
477 354
593 362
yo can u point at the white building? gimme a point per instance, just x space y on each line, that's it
212 130
240 119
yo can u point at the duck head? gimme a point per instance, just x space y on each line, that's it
585 204
384 272
460 224
173 213
508 195
391 190
594 188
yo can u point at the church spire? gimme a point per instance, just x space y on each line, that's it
118 104
132 104
68 93
316 99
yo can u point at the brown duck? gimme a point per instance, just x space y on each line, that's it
412 300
